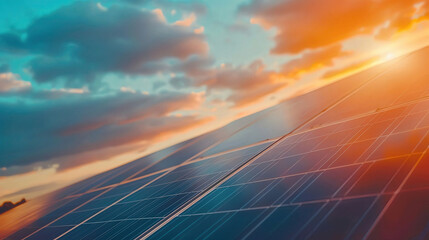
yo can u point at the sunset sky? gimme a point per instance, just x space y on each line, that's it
86 86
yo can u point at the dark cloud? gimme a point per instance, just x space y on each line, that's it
81 41
53 129
157 85
189 6
246 84
310 24
11 42
180 82
195 66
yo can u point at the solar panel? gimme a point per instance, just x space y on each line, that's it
137 203
349 165
313 181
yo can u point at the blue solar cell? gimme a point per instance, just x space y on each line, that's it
340 222
286 222
326 184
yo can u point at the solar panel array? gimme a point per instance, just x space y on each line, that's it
349 165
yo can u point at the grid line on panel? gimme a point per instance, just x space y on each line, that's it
125 169
53 221
320 171
332 199
385 109
379 110
184 207
141 200
110 221
196 156
150 165
398 190
314 216
358 134
263 220
110 205
130 178
331 165
382 191
297 203
232 150
412 152
167 184
174 167
121 183
192 201
189 160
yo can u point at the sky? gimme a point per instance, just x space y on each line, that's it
86 86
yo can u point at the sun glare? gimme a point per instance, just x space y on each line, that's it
389 56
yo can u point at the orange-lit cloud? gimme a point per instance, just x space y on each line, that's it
356 66
309 24
409 18
188 21
248 84
199 30
158 12
313 61
11 82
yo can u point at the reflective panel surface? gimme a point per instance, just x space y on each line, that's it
349 165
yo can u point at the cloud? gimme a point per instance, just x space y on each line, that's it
180 82
51 94
158 12
49 130
310 24
188 6
199 30
79 42
195 66
356 66
313 61
10 82
188 21
247 84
